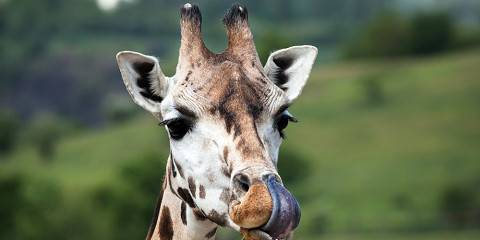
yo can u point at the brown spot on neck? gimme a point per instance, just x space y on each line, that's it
183 213
199 215
165 227
192 186
185 196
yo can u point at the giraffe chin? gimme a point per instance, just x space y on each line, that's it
285 213
255 234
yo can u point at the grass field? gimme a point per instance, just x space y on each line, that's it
377 146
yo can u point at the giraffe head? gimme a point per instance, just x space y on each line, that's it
225 114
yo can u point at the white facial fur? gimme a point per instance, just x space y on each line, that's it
201 152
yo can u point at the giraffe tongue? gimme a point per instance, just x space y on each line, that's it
285 213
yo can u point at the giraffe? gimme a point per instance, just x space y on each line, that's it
225 115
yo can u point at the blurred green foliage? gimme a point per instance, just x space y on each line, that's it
460 205
386 36
118 109
44 132
271 40
404 169
10 190
373 90
59 55
393 35
9 126
431 33
134 197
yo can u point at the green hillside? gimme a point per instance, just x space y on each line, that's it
380 149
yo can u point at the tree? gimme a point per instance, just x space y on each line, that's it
386 36
431 33
44 132
9 126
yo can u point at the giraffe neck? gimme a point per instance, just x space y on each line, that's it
177 219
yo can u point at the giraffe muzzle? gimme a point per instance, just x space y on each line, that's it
268 207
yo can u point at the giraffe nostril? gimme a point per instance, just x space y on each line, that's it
241 182
244 186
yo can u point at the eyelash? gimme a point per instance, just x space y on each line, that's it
282 122
177 127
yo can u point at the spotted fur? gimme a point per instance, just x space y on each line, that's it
201 192
230 104
185 196
192 186
183 213
166 226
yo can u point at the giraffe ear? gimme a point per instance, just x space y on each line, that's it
143 79
289 68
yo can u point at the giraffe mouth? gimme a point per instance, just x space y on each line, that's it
285 212
268 211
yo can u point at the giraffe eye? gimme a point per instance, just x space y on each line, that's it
282 122
177 127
